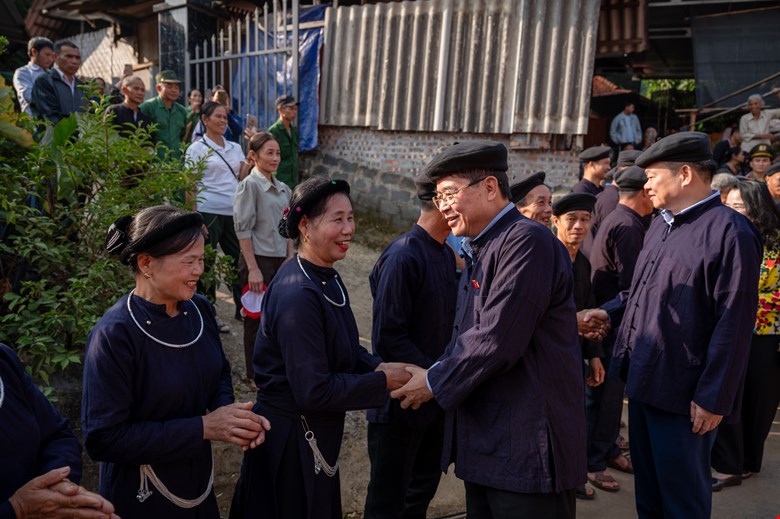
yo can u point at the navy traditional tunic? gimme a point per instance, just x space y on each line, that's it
414 308
307 362
615 252
606 201
511 379
687 320
34 438
583 298
586 186
143 404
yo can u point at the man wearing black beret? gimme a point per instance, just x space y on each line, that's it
533 198
414 308
607 200
571 217
595 162
510 381
612 258
686 327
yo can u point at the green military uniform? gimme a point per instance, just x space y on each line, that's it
287 171
170 124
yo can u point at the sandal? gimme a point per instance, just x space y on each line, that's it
603 481
621 463
585 492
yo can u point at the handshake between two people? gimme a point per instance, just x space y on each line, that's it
407 383
593 324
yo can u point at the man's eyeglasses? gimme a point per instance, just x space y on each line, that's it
441 198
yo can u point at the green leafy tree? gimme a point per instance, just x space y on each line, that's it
57 199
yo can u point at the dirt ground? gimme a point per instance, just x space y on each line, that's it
354 465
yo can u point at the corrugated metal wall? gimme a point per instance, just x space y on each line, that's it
485 66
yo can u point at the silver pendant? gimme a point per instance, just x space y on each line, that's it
143 495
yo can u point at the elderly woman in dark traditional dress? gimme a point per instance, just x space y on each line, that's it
309 366
157 385
41 457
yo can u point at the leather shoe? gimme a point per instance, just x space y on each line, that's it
731 481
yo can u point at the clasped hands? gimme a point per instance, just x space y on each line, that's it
52 496
237 424
407 383
593 324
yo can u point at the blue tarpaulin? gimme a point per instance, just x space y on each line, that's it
273 74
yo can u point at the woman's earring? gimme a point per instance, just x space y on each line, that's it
147 275
305 238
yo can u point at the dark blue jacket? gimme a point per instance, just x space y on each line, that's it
34 438
688 317
511 379
53 99
414 307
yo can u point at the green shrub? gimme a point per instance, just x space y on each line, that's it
57 199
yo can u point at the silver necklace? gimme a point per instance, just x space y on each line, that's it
331 301
2 392
155 339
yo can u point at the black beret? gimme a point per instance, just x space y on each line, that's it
625 158
574 202
285 101
426 188
313 190
774 168
468 156
523 187
762 150
632 178
118 240
678 147
595 153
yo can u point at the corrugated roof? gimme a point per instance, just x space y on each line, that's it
485 66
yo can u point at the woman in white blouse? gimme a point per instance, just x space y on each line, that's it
221 170
259 205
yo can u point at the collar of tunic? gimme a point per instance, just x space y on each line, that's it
466 243
669 217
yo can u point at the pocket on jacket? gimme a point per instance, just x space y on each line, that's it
488 428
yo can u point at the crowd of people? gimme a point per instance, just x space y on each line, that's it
509 357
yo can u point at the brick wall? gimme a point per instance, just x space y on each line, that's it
380 165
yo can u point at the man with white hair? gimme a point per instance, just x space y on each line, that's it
754 126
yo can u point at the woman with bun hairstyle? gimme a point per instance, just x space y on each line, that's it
260 203
309 366
157 385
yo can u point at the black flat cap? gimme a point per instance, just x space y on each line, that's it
524 186
595 153
285 101
625 158
678 147
632 178
574 202
468 156
426 188
774 168
762 150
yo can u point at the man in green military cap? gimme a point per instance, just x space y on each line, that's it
169 115
287 136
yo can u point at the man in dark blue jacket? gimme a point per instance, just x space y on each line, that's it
510 381
414 307
685 327
58 92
